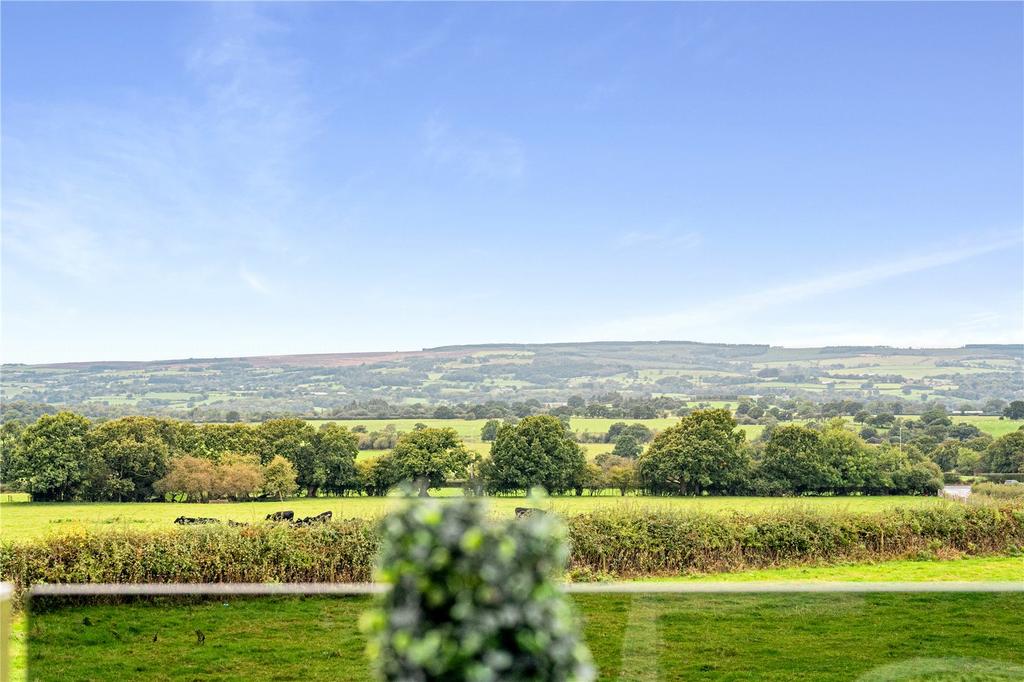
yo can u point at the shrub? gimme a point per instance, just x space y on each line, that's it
279 478
642 542
336 552
473 599
624 542
999 491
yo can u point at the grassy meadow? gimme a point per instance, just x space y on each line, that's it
967 569
469 429
992 568
821 637
25 520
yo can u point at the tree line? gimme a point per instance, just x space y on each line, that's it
765 410
67 457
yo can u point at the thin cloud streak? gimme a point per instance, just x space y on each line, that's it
683 324
660 238
487 155
253 281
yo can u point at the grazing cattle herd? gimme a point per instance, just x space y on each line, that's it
288 516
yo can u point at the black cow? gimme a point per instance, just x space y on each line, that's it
191 521
281 516
312 520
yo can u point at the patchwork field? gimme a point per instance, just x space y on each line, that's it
469 429
327 384
23 520
875 636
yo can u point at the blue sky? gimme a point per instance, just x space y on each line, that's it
190 180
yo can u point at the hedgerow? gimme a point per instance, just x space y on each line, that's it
631 543
343 551
625 542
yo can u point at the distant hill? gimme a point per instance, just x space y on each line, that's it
318 383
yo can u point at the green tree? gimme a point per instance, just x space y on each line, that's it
217 439
640 432
134 456
622 475
536 451
334 468
279 478
852 464
295 440
794 454
10 447
489 430
377 476
947 454
626 446
968 461
1015 410
429 457
53 461
936 415
703 452
1006 454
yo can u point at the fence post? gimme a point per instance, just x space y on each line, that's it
6 592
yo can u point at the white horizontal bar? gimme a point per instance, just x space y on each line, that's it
767 587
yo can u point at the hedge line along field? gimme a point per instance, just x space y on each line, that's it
821 637
624 543
26 520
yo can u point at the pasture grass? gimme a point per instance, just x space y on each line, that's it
821 637
993 426
967 569
22 521
469 429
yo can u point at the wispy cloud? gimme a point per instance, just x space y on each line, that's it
253 281
697 320
53 240
666 237
163 186
425 41
477 154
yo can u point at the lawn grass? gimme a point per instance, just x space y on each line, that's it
969 569
22 521
821 637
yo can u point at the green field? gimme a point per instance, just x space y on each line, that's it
879 636
993 426
23 520
996 568
970 569
469 429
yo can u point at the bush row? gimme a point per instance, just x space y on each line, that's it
641 543
615 543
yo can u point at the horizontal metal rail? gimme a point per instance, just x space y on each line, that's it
638 587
